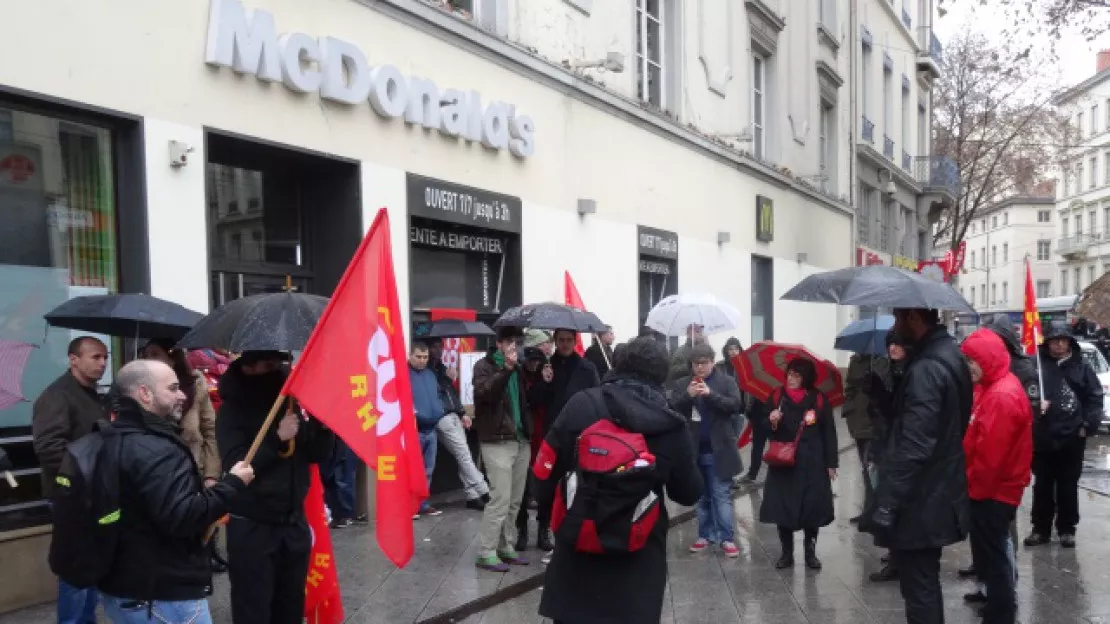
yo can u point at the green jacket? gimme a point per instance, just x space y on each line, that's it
857 401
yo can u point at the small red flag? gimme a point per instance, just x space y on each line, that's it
745 436
322 599
1031 332
352 377
574 300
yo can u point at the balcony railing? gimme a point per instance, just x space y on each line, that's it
906 18
888 147
868 130
907 162
938 171
1072 244
930 45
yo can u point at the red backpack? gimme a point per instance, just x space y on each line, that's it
607 503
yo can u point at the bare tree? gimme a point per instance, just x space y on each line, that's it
993 116
1056 18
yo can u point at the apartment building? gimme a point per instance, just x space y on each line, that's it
1083 183
901 186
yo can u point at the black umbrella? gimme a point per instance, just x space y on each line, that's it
267 322
456 328
551 316
126 315
878 286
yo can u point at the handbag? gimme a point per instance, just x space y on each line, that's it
783 454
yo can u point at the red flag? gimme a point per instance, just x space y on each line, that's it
322 602
1031 332
353 377
453 347
745 436
574 300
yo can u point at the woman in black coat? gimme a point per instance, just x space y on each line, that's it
800 497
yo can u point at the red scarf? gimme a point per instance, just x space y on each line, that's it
796 395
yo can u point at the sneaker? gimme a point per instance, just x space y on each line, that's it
887 573
1036 539
731 551
484 498
341 524
476 504
362 519
699 545
1067 541
492 563
513 558
416 516
546 558
976 597
428 510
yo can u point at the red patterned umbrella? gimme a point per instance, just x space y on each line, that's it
762 368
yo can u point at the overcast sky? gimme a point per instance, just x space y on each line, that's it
1077 55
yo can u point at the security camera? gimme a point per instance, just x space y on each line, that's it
179 153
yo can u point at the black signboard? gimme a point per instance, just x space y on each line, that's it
657 243
764 219
652 266
469 242
445 201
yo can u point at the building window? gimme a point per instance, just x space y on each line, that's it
1044 288
1094 172
1005 293
923 146
1106 219
994 222
973 259
865 79
886 227
973 295
1064 281
1090 275
1044 216
1005 253
1092 222
1106 166
1064 226
1005 219
759 105
1079 123
1079 226
906 119
1079 177
1078 279
58 241
828 14
994 255
824 137
994 294
650 61
1044 250
972 229
867 213
888 101
1094 119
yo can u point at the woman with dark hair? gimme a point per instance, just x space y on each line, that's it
799 497
197 418
623 588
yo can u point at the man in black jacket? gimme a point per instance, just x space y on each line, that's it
566 375
161 568
921 499
600 353
1073 410
268 540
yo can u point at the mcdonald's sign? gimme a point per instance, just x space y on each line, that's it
764 219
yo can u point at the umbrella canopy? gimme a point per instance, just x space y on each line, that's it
13 361
267 322
551 316
866 336
878 287
762 368
1094 303
457 328
127 315
674 314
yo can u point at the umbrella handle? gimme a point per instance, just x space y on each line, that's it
10 479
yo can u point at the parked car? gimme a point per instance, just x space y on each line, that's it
1097 361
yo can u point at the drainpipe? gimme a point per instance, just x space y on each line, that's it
853 125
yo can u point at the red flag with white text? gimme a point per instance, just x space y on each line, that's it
322 602
353 376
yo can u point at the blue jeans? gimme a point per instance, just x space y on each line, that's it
128 611
715 505
76 606
340 481
428 446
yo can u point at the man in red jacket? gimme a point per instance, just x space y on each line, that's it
998 447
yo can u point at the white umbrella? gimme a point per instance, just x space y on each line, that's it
675 314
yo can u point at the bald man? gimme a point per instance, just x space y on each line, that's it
161 565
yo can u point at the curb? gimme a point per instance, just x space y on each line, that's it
521 587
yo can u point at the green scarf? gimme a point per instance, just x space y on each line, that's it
514 391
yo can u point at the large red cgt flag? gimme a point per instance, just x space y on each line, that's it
1031 332
322 602
352 377
574 300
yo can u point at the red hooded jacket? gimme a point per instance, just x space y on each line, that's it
998 444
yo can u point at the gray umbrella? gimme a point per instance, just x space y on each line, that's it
878 287
266 322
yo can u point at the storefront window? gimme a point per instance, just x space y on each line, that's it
57 195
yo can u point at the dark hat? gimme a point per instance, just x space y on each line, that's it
533 353
247 358
1057 329
894 338
509 332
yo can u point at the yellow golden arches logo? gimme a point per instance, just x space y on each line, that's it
765 219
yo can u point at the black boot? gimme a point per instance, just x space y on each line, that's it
786 538
812 562
544 540
521 538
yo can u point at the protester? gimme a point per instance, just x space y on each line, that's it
65 411
799 497
758 411
567 375
884 385
338 476
452 429
998 447
680 359
160 572
921 498
1072 411
197 418
534 363
857 409
600 353
504 428
429 410
268 539
732 348
707 400
626 588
